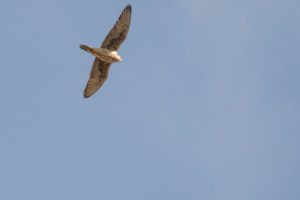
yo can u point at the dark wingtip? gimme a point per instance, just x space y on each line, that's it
86 96
128 7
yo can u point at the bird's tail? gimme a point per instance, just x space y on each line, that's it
84 47
89 49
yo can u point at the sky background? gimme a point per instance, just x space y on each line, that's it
205 105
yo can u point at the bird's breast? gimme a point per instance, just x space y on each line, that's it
108 56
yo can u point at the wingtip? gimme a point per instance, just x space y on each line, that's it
128 7
85 96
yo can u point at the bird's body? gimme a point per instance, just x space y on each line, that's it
103 54
107 53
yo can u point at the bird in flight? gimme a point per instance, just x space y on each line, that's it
107 53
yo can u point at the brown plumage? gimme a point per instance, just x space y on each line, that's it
107 53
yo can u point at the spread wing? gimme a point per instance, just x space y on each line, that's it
118 33
98 76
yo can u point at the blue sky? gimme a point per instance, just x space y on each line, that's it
205 105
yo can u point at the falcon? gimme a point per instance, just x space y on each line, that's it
107 53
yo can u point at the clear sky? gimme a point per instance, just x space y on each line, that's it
205 105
